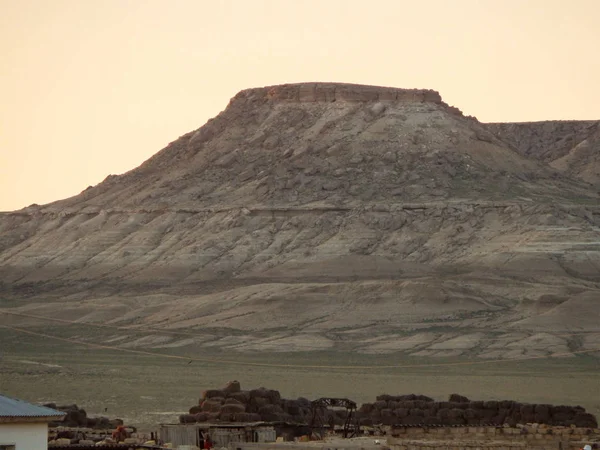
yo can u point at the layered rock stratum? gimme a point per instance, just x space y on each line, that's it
323 216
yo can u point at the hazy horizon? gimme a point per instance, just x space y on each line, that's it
91 89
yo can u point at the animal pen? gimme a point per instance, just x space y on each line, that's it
221 435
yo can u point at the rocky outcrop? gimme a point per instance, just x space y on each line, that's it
337 92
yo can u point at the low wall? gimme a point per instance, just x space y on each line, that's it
468 445
519 433
338 444
491 438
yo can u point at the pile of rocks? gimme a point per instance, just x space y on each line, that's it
77 417
459 410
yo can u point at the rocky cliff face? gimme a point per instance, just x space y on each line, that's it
323 216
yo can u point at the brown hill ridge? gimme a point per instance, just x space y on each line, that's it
279 146
572 147
324 216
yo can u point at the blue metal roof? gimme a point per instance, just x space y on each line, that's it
11 407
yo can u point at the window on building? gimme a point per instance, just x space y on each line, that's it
7 447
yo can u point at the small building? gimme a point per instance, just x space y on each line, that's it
221 435
24 426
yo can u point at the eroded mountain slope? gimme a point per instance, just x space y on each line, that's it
570 147
321 216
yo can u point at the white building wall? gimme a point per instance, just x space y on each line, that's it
25 436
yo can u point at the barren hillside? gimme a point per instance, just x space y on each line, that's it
570 147
325 216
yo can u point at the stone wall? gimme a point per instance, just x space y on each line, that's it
337 444
531 437
478 445
526 432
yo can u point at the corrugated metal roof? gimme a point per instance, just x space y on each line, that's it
11 407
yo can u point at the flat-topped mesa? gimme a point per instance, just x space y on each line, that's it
339 92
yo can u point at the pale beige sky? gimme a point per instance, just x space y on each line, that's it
90 88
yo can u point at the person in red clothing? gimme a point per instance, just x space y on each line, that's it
207 443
